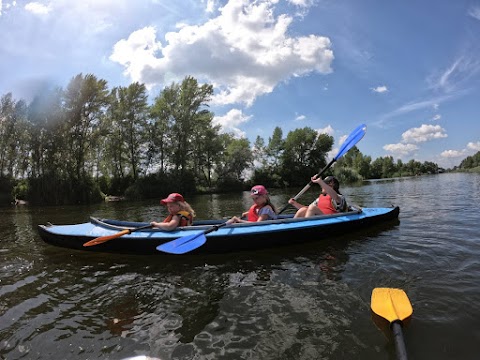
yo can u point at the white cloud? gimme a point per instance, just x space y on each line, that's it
301 3
329 131
456 76
231 121
437 117
423 133
37 8
244 52
210 7
469 150
300 118
400 149
414 106
452 153
474 146
474 12
137 53
380 89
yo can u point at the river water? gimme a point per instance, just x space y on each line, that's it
302 302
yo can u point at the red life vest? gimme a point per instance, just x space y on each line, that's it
186 219
253 212
325 204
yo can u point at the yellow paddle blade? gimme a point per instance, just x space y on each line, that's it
391 304
103 239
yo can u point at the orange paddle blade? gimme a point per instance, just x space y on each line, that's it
103 239
391 304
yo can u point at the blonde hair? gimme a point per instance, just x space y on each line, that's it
185 206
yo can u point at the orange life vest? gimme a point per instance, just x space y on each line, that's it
325 204
253 212
186 219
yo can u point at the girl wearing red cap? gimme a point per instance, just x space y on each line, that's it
180 213
261 210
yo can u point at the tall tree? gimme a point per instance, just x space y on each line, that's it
305 152
131 121
238 157
275 147
85 101
206 144
182 106
45 117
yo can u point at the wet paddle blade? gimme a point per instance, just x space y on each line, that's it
183 244
391 304
103 239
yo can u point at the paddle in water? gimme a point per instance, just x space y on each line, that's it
102 239
350 142
394 306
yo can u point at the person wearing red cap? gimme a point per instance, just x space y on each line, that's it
261 210
180 213
330 201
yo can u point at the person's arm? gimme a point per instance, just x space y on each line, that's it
266 213
236 219
295 203
168 226
328 189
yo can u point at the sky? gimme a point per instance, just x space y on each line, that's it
409 70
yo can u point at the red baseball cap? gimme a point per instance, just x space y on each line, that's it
258 190
173 197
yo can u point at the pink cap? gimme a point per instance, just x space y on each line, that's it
173 197
258 190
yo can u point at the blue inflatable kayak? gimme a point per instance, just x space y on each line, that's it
219 239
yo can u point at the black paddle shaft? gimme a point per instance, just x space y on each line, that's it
398 340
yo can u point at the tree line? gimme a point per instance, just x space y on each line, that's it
75 145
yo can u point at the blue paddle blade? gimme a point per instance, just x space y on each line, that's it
183 244
352 140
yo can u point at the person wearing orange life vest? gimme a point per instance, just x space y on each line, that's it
180 213
261 210
330 201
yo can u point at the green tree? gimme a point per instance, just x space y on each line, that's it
275 149
304 153
184 104
13 137
470 162
130 123
235 160
45 117
85 101
206 145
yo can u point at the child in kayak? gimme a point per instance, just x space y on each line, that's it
261 210
180 213
330 201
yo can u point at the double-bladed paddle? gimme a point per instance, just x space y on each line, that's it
394 306
350 142
102 239
188 243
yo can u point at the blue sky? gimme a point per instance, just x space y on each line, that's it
409 69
